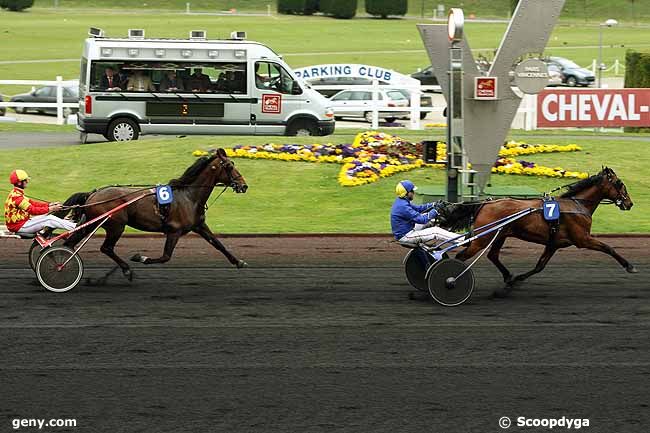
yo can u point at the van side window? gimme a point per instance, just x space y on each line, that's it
271 76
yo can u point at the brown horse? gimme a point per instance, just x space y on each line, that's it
577 206
185 214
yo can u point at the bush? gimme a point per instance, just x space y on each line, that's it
383 8
289 7
16 5
339 8
637 75
296 7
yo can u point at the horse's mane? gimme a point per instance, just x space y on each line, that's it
192 172
575 188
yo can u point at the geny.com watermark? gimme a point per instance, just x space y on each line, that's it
40 423
549 423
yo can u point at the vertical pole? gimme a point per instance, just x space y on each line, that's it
187 8
455 123
422 10
375 99
415 107
268 10
59 100
600 54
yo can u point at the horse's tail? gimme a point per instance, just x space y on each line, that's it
75 199
458 216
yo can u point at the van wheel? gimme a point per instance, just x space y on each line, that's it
390 120
123 129
303 128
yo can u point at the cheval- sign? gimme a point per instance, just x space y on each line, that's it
593 108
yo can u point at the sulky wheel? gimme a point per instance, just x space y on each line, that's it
35 251
416 262
445 285
54 273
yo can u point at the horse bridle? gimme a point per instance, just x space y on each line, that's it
618 186
228 167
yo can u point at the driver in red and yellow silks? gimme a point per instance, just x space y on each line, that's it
26 216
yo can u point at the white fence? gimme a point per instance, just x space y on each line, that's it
59 104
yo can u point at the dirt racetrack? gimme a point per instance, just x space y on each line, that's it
319 335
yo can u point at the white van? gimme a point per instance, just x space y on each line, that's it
132 86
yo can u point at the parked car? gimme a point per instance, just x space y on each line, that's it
47 94
347 103
3 110
425 102
338 81
427 77
554 75
572 74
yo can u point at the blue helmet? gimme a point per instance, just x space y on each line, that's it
404 187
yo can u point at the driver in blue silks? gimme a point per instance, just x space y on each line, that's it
408 220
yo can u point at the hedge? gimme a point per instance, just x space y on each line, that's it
637 75
291 7
383 8
339 8
16 5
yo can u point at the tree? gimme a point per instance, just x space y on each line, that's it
383 8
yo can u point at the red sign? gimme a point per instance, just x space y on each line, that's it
485 88
593 107
272 104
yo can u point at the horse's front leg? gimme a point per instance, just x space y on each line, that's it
170 244
204 231
592 243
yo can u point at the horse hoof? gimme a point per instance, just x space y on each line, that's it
128 273
138 258
241 264
631 269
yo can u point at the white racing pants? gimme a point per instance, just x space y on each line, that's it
428 235
39 222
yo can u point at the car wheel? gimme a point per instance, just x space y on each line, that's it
571 81
368 116
423 115
337 118
302 128
20 110
123 129
390 119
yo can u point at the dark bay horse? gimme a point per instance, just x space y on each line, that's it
577 207
186 213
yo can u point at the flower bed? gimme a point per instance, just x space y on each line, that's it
374 155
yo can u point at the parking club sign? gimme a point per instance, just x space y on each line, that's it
272 104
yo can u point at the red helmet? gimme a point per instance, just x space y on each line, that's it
18 176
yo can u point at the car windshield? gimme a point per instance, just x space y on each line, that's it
566 63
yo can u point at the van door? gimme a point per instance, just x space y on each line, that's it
275 97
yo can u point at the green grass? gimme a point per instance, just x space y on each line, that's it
311 40
286 197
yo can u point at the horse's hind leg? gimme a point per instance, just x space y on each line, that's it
493 255
113 234
170 244
592 243
539 267
207 234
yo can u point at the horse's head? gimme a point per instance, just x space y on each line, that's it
615 190
227 174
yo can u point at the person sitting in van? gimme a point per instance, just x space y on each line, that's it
199 82
139 82
171 83
109 80
239 82
222 83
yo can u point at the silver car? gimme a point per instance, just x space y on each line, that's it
359 103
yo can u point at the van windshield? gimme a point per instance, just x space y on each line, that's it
186 77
